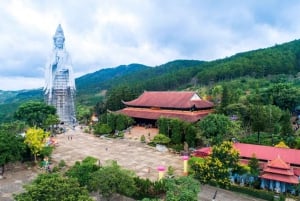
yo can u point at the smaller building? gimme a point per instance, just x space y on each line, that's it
280 167
278 175
152 105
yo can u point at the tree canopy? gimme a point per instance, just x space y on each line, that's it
34 113
216 127
11 145
112 179
35 139
53 187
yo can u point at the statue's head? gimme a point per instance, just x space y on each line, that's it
59 38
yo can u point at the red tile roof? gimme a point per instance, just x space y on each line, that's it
267 153
279 163
279 171
170 99
276 168
297 171
154 114
282 178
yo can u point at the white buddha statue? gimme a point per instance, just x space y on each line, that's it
58 63
59 79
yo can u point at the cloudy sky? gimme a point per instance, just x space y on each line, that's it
107 33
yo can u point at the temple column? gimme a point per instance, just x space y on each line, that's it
262 184
271 185
277 186
283 189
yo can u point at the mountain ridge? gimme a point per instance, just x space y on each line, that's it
178 74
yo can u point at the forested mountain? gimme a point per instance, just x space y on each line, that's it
175 75
279 59
94 82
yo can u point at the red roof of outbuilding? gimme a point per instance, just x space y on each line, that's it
279 171
170 99
279 163
146 113
267 153
282 178
297 171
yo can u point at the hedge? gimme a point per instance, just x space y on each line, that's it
266 195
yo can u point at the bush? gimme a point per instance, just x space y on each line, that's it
46 151
266 195
161 139
177 147
61 164
101 129
143 139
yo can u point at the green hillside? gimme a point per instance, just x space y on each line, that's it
97 81
130 80
280 59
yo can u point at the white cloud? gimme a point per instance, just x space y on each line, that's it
109 33
18 83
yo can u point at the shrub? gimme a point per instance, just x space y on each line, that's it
46 151
266 195
177 147
161 139
61 164
101 129
143 139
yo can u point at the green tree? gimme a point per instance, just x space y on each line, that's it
51 120
164 126
83 113
259 119
182 188
11 146
216 127
227 154
177 131
287 131
34 113
161 139
190 134
83 171
35 139
285 96
53 187
226 97
216 168
217 93
117 121
254 166
101 129
112 179
118 94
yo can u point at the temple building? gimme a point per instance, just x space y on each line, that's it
280 167
152 105
278 175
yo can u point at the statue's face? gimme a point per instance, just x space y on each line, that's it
59 42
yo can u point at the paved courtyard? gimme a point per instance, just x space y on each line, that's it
130 153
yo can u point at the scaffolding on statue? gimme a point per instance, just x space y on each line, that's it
62 98
60 83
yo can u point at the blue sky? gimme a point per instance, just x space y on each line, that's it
107 33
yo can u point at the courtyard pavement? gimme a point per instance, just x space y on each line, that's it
130 153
